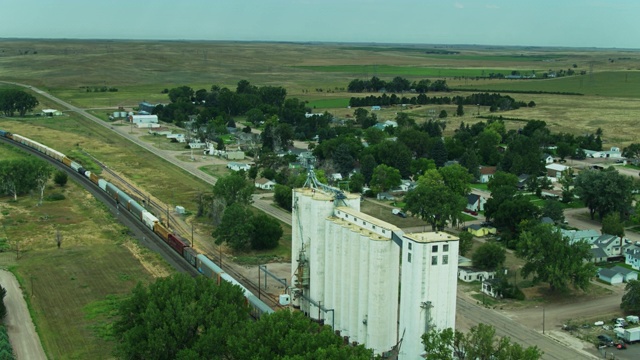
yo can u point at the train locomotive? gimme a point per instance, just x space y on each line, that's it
177 243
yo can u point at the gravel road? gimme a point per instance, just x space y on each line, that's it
22 334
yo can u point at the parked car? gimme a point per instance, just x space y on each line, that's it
401 214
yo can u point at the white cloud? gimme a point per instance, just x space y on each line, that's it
458 5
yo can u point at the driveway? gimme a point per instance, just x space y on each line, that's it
22 334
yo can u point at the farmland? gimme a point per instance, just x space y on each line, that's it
94 265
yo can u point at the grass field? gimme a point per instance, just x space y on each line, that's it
62 285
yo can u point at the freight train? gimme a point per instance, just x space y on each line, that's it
201 262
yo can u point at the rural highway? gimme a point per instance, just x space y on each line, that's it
466 309
22 334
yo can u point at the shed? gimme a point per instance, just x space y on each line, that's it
556 170
145 119
235 166
610 276
490 287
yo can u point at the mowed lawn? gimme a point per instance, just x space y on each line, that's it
63 285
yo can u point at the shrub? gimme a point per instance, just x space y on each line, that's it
55 197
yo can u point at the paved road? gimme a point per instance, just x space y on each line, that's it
22 334
466 309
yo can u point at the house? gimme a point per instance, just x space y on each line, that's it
627 274
490 287
469 274
580 235
236 166
486 173
548 159
522 181
475 202
598 255
610 244
336 177
632 257
556 170
479 230
390 123
610 276
265 184
463 261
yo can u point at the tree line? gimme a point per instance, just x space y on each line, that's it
398 84
494 101
20 176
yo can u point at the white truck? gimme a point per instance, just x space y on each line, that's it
631 336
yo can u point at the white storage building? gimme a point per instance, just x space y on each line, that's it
143 119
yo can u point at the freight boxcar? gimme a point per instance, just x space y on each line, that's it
177 243
190 256
208 268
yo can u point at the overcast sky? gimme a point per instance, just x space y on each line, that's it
575 23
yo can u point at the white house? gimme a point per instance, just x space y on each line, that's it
236 166
469 274
486 173
627 274
51 112
265 184
590 236
632 257
548 159
475 202
490 288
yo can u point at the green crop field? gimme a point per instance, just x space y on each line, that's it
328 103
622 84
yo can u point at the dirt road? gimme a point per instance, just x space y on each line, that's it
22 334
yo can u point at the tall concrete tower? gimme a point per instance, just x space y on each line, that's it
367 279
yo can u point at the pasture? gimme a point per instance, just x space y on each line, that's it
367 71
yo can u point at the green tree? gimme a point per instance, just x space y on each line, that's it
554 259
266 232
438 152
479 343
60 178
565 150
282 196
343 159
604 191
488 142
374 136
631 298
466 242
471 162
632 152
235 228
460 110
457 178
234 188
489 256
443 114
612 225
385 178
419 166
41 172
356 183
554 210
367 165
566 180
434 202
290 335
14 100
255 116
179 316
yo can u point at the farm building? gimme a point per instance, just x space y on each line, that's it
147 126
146 107
347 271
51 112
143 119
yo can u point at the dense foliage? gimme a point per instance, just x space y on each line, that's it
631 298
398 84
494 101
489 256
552 258
479 343
605 191
180 317
6 351
23 175
14 100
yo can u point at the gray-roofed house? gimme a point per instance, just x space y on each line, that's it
611 244
598 255
475 202
490 287
548 159
580 235
627 274
610 276
632 257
